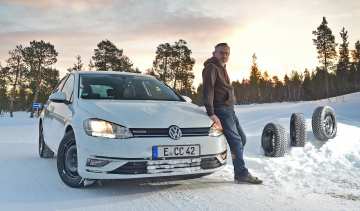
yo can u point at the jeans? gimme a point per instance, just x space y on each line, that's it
235 137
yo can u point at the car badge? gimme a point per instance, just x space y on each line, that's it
175 132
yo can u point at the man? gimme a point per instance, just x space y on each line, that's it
219 100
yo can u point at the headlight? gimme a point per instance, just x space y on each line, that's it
215 131
101 128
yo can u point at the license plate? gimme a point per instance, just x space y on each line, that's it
175 151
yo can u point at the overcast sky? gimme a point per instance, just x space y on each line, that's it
278 31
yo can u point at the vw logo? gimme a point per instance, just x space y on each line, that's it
175 132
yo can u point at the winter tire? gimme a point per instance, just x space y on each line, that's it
324 123
274 140
67 162
297 130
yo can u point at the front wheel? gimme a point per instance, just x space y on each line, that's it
67 162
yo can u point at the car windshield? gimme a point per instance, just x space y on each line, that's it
124 87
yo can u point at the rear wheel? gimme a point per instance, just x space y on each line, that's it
67 162
274 140
43 149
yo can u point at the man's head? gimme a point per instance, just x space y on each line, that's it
222 52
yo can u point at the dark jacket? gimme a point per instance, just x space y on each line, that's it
217 90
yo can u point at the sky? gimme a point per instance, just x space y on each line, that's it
278 31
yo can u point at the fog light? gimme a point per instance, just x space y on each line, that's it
96 162
222 156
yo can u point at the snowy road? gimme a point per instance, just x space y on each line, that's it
320 176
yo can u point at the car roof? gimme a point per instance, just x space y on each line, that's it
111 72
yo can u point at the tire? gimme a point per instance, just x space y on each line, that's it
274 140
67 162
43 149
324 123
297 130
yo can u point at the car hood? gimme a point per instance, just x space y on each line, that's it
147 114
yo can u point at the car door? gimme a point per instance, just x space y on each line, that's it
47 120
63 112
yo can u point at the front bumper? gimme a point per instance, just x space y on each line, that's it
132 158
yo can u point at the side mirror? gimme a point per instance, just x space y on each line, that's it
58 97
186 98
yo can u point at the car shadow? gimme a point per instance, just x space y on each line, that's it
35 182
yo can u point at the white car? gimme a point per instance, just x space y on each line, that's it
117 125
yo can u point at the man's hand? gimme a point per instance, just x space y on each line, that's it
217 122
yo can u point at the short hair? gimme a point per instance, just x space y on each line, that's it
222 44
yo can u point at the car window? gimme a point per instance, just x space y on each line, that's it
60 84
102 90
69 87
124 87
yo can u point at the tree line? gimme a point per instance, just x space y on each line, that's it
28 75
337 74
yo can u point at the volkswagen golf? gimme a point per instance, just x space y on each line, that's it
118 125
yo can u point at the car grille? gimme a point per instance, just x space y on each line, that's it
166 166
163 132
131 168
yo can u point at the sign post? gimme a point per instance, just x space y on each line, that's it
37 107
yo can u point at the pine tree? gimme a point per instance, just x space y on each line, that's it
255 73
307 86
265 85
173 64
4 71
39 57
17 73
108 57
183 65
77 66
255 76
287 87
295 85
278 87
343 66
326 49
162 63
356 53
355 67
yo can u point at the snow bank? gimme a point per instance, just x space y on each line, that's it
331 167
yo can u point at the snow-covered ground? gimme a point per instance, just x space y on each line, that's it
320 176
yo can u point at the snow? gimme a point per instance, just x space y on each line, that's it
320 176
